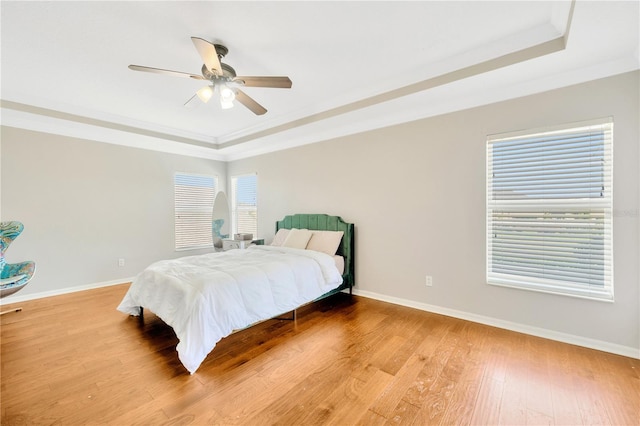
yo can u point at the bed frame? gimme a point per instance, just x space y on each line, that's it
319 222
323 222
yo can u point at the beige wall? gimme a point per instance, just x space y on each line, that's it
416 193
85 204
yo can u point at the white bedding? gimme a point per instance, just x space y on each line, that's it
205 298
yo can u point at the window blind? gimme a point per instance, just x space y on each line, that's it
244 204
549 210
194 195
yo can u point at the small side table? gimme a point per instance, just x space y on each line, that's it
235 244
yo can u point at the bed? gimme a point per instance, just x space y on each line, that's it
207 297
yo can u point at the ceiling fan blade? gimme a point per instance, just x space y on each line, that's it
167 72
277 82
208 54
245 100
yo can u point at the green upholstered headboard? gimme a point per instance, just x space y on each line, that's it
323 222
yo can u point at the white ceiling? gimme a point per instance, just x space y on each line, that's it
354 65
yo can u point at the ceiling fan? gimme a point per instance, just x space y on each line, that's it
222 76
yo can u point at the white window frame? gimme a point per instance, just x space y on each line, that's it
193 211
236 209
515 261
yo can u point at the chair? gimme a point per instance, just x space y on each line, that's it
13 276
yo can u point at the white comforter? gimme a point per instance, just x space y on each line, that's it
205 298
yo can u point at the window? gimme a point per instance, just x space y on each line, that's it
244 208
194 195
549 210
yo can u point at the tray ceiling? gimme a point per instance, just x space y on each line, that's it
355 66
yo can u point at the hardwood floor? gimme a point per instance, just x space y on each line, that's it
74 359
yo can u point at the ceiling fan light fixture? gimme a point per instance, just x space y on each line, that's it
227 96
205 93
216 73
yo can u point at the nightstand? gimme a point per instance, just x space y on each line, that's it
235 244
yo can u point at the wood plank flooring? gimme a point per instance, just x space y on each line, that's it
74 359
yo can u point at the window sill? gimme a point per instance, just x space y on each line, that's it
598 296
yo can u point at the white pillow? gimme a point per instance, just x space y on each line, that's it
325 241
297 238
281 235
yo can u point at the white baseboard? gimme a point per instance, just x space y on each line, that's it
508 325
481 319
15 298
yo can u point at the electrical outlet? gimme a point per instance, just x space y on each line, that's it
121 262
429 281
